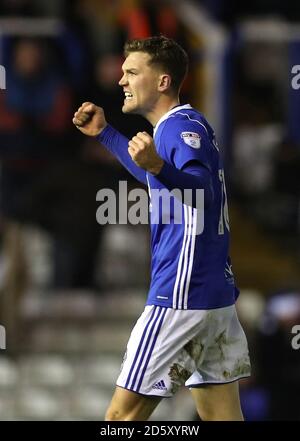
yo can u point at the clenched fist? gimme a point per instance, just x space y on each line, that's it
143 152
90 119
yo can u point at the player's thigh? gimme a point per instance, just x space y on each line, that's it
218 402
130 406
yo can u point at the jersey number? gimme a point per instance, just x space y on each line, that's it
224 216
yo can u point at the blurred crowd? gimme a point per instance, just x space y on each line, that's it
264 140
48 170
49 173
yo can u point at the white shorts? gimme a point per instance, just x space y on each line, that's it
169 348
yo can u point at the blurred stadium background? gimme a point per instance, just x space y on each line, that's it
70 290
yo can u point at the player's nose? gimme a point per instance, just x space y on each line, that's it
123 81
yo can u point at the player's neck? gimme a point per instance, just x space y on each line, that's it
161 109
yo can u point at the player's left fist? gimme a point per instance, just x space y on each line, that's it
143 152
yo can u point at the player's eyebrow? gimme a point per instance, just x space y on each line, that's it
130 70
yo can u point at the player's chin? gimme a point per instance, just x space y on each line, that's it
128 108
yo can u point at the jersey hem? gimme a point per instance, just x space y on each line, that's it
194 308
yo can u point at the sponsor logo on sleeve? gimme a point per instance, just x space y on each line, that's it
192 139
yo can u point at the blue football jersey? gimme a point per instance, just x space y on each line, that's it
189 269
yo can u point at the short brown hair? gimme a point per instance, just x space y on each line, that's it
164 52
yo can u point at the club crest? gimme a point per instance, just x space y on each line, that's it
192 139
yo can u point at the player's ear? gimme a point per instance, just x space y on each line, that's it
164 82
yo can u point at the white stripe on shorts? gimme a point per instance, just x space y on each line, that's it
145 348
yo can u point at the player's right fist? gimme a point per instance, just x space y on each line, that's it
90 119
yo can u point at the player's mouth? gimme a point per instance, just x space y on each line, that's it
128 96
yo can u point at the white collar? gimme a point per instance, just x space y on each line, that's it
166 115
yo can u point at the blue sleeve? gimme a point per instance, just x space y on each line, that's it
188 141
117 144
193 176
